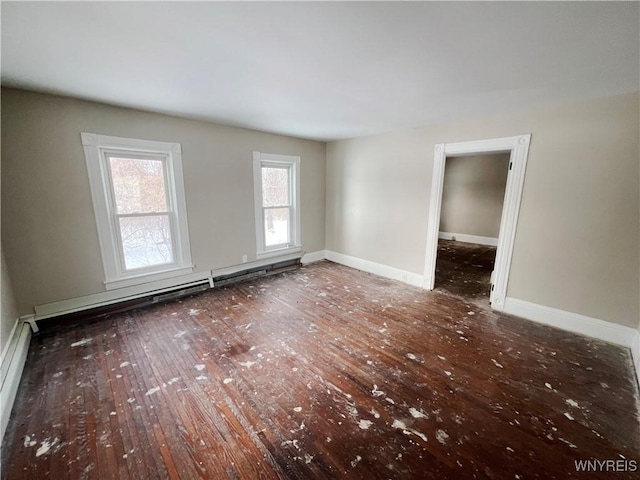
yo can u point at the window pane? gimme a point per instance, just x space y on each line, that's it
276 226
146 241
138 185
275 187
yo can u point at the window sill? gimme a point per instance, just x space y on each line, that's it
279 252
147 277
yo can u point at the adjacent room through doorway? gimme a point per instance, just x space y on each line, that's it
471 211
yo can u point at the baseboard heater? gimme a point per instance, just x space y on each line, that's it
256 272
91 313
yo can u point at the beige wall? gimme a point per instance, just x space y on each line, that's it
576 244
473 194
8 309
48 226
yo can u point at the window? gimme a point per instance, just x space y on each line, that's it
277 194
138 199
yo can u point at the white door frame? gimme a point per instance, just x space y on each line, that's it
518 146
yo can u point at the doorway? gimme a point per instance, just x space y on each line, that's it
517 148
470 214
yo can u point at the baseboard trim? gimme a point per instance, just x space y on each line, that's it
13 360
393 273
576 323
463 237
313 257
96 300
102 299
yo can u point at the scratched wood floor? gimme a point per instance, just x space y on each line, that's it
324 372
465 269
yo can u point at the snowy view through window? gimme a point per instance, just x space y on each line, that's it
142 211
276 203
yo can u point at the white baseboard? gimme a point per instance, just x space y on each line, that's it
313 257
13 360
576 323
110 297
376 268
463 237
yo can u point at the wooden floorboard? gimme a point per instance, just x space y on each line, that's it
323 372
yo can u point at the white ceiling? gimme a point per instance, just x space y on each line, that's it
323 70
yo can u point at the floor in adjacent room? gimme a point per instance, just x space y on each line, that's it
464 269
323 372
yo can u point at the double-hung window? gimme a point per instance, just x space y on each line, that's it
277 199
138 198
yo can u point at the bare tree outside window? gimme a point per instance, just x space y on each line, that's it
276 203
142 211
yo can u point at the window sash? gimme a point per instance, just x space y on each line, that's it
289 206
98 149
121 245
289 242
292 165
113 207
279 166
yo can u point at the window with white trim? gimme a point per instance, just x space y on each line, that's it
277 202
138 198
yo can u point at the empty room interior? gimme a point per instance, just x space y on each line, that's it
381 240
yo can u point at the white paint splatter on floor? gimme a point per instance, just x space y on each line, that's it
153 390
568 415
84 341
290 442
399 424
567 442
199 367
28 442
247 364
297 409
226 381
572 403
201 377
124 364
58 374
442 436
548 385
415 413
365 424
496 363
411 356
45 446
375 392
180 334
355 461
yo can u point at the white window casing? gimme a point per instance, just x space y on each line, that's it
99 151
293 242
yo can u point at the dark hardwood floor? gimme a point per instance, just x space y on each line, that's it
465 269
324 372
